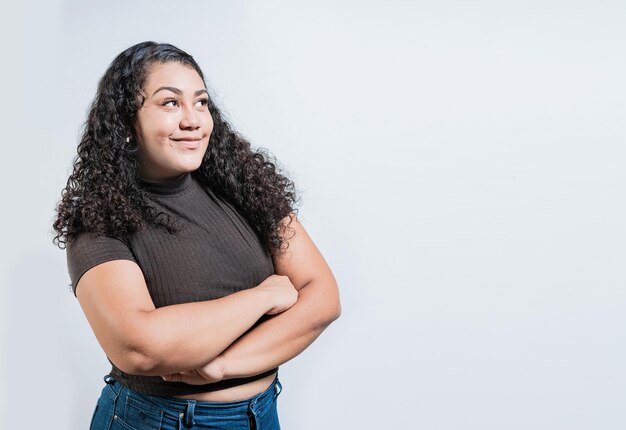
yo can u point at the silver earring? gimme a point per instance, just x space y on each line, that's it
127 139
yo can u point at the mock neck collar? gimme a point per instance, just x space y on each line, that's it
167 187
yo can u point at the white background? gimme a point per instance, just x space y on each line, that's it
461 168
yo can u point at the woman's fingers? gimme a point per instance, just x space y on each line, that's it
174 377
191 377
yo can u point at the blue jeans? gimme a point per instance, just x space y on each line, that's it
122 408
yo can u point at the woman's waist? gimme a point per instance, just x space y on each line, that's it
173 407
233 394
227 390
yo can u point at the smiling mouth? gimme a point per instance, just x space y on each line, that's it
190 144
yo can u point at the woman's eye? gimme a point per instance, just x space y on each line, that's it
203 102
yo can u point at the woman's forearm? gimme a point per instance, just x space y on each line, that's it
277 340
184 336
282 337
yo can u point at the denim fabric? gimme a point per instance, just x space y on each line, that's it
122 408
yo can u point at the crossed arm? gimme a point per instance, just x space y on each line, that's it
283 336
143 340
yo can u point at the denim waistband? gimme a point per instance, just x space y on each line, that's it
189 409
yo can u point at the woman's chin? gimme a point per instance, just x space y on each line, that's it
190 165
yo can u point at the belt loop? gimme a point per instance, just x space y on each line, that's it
277 388
252 414
115 386
189 415
116 391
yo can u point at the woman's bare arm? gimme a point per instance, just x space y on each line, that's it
284 336
142 340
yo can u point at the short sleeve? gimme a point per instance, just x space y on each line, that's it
87 250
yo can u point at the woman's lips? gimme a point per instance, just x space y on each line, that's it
188 143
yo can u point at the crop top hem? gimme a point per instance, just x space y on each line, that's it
171 389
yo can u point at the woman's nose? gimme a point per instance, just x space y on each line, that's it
190 118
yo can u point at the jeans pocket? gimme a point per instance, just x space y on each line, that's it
139 415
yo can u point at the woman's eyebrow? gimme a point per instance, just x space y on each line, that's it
179 92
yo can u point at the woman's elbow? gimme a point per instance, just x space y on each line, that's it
337 308
136 352
332 313
135 362
336 314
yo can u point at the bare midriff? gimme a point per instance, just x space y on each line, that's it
233 394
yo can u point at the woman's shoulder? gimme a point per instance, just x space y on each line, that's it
89 238
87 249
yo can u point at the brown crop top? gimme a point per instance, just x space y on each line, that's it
216 253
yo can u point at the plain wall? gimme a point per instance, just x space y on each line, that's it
461 168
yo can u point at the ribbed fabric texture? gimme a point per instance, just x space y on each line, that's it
216 253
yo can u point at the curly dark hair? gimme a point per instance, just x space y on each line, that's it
103 194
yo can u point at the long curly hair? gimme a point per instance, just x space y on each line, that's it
103 194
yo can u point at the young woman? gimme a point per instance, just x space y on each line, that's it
185 254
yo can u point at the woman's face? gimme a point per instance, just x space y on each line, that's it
174 124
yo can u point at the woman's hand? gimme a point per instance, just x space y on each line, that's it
207 374
284 294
